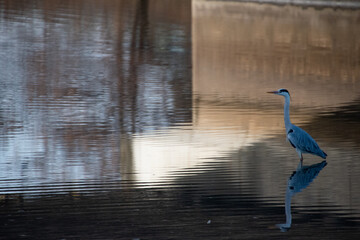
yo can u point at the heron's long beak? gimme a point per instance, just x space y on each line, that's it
273 92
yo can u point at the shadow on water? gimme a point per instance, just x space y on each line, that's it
299 180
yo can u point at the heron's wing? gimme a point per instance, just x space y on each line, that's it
302 140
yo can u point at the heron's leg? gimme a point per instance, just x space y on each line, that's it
300 156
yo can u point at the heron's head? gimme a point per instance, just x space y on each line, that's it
282 92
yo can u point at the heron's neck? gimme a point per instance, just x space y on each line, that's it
287 113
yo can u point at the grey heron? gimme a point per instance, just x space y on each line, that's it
298 138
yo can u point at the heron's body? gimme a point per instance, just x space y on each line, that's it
303 142
298 138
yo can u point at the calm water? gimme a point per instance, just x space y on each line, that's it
149 120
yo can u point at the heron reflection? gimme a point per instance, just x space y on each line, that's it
299 180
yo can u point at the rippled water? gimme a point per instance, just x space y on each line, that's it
149 120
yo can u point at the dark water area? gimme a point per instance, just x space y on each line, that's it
149 120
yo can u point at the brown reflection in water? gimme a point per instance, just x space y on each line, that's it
240 49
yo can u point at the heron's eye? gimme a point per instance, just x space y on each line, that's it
291 187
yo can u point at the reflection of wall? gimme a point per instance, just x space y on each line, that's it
243 49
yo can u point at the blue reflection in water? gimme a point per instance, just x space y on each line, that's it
77 80
299 180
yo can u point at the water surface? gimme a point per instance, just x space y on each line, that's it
149 120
